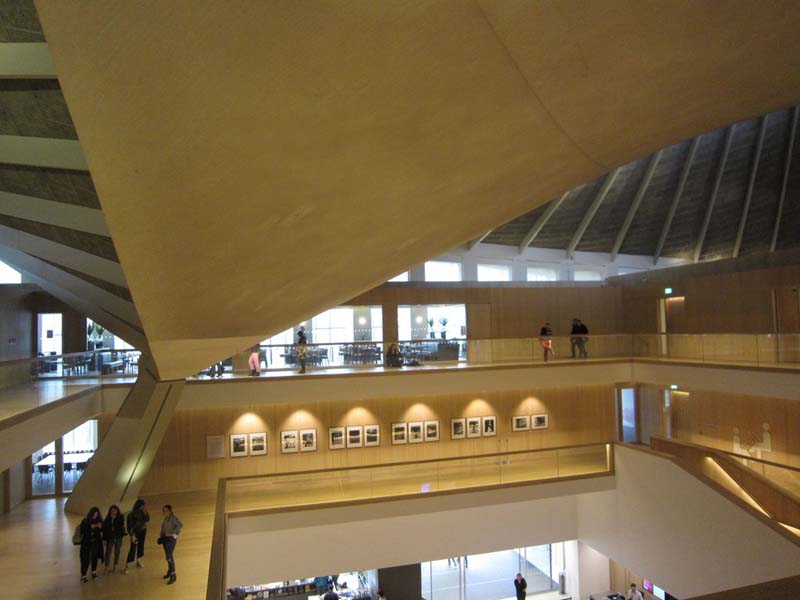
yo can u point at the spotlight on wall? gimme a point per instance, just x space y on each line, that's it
673 387
362 320
667 291
418 320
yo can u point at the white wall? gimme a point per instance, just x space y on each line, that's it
593 571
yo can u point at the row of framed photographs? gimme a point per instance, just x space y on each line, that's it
365 436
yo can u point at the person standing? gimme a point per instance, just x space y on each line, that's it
634 594
583 337
137 529
330 594
574 336
381 595
546 340
254 362
521 587
170 529
302 348
91 542
113 532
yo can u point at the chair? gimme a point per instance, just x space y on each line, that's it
67 469
43 471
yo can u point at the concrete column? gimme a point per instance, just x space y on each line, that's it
401 582
117 471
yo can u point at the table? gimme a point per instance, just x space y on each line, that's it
77 458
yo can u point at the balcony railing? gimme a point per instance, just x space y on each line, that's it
328 487
98 363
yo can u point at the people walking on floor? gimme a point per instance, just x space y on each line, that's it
113 532
170 530
521 587
137 529
91 542
634 594
254 362
302 348
546 340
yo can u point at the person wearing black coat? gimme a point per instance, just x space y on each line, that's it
137 529
113 532
91 542
521 587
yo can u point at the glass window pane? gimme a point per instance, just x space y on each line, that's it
437 270
44 469
588 275
8 274
400 277
494 273
79 447
542 274
538 569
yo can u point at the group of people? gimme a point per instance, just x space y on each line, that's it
579 336
98 538
521 588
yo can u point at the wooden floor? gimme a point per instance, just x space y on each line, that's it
38 560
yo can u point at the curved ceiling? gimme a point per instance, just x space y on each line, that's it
258 162
724 193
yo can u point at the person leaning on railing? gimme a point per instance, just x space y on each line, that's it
394 358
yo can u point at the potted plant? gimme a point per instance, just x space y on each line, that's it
89 336
100 330
430 325
443 323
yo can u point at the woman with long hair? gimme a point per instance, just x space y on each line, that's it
113 532
91 542
137 529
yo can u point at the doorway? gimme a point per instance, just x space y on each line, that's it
49 327
628 415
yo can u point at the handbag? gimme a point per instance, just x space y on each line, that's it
77 537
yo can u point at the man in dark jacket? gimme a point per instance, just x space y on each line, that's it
583 332
521 586
137 529
331 595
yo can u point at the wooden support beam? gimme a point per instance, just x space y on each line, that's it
687 166
698 248
587 218
787 165
737 246
637 200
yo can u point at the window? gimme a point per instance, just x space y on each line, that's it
9 275
542 274
588 275
438 270
401 277
431 321
79 447
494 273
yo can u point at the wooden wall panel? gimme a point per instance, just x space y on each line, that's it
578 415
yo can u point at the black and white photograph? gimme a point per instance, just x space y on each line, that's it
520 423
238 445
415 435
289 442
372 435
540 421
473 427
354 433
308 440
258 444
336 438
399 433
489 426
458 429
431 431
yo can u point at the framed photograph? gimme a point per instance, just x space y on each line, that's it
431 431
372 435
308 440
489 426
473 427
336 439
399 433
289 442
415 433
540 421
258 444
458 429
215 446
354 436
238 445
520 423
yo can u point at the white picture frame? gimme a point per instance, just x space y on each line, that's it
474 427
215 446
458 429
372 435
431 431
289 442
308 440
520 423
336 438
416 432
238 445
355 436
489 426
258 443
399 433
541 421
